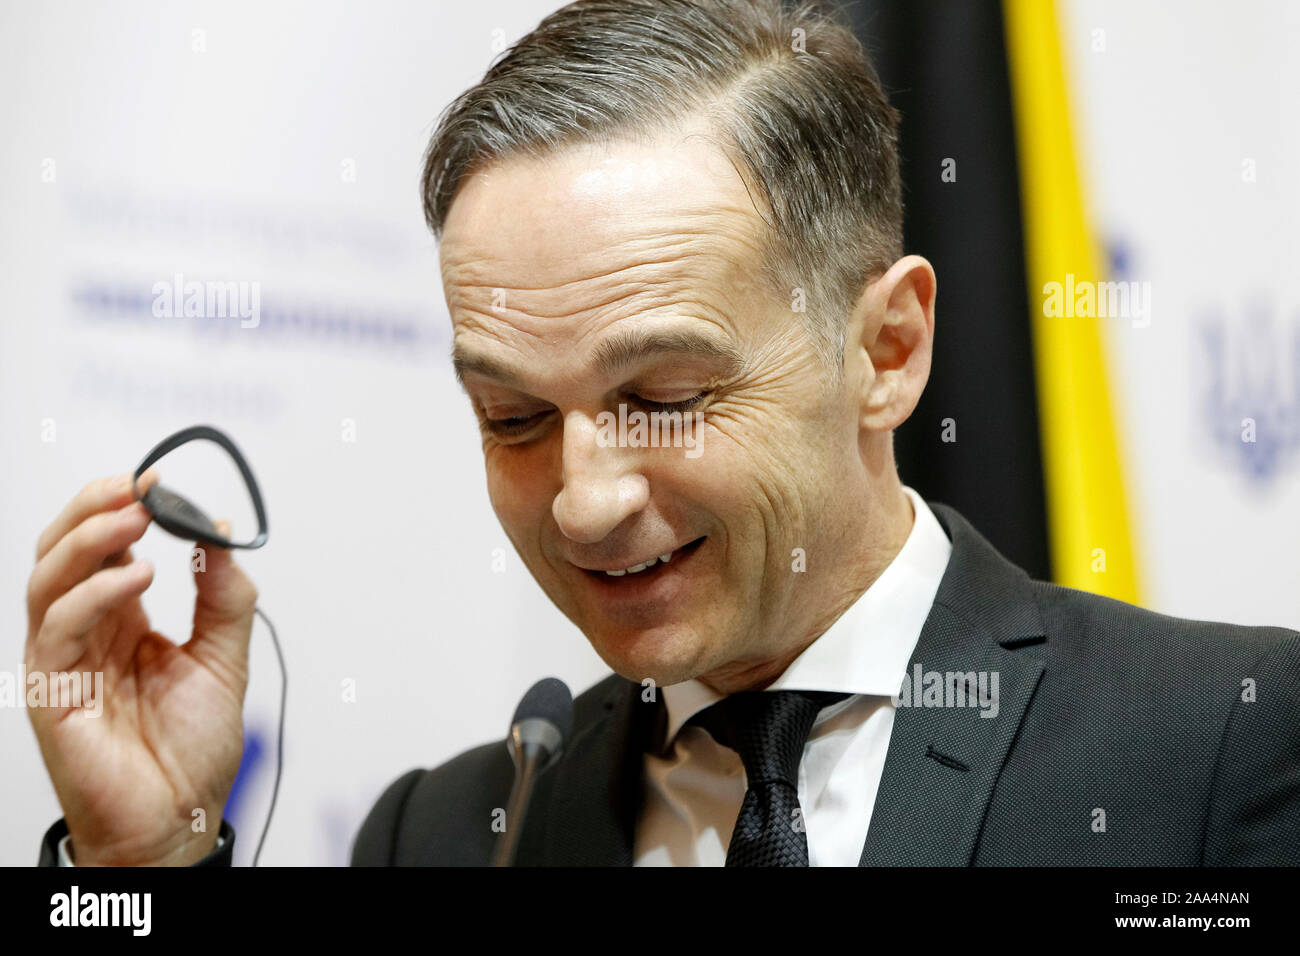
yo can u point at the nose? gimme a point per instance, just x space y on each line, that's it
601 485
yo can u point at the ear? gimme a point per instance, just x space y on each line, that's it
893 331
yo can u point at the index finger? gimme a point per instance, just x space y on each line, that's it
102 494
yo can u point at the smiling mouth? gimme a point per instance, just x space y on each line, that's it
649 568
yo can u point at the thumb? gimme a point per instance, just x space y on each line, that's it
223 607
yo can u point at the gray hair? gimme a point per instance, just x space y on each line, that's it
789 92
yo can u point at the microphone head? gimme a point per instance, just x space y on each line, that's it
549 699
542 723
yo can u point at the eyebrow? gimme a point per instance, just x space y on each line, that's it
617 353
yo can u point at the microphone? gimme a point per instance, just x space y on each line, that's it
540 729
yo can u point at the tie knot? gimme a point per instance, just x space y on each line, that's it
768 728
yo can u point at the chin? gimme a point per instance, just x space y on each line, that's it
666 655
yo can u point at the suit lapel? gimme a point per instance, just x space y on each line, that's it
593 799
943 761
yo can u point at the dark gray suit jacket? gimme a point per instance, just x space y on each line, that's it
1121 738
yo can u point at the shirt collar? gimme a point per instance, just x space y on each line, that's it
867 649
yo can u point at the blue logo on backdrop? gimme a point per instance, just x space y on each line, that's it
1250 396
236 810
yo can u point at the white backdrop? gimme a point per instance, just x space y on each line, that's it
281 144
232 163
1190 146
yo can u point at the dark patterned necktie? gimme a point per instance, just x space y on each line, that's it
768 729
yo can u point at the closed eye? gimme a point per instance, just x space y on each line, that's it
515 425
519 425
670 407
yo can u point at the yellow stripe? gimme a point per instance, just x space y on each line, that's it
1086 503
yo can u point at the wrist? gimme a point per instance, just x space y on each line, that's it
183 849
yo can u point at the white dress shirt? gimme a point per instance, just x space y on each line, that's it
695 786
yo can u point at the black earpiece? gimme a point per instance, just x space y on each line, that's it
176 514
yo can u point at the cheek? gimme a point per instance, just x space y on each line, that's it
734 484
520 491
759 464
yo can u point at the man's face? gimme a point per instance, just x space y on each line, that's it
625 275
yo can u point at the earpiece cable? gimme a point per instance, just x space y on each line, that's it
279 744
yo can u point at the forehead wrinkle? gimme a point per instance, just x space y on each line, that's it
618 342
661 304
714 246
463 362
674 267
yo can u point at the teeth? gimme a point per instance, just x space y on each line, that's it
641 567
